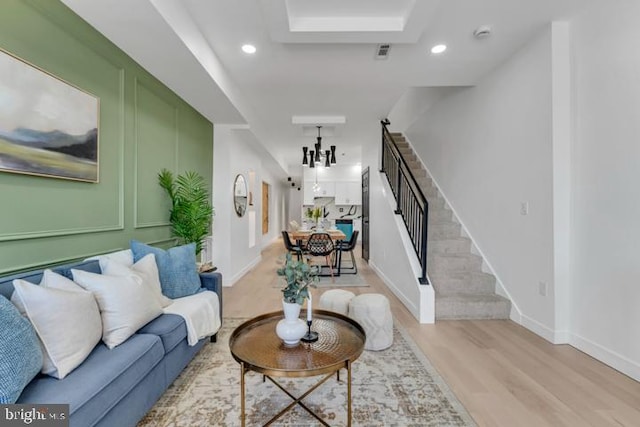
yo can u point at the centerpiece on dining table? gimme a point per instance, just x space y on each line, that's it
299 276
315 214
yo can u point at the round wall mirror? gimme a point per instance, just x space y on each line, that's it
240 195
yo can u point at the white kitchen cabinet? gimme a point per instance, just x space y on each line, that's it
325 189
348 193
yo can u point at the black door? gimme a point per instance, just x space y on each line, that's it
365 214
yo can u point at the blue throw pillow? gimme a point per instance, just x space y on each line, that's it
20 352
176 267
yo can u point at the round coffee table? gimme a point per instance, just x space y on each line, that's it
256 347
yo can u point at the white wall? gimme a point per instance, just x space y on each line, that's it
238 241
413 104
293 203
605 311
489 149
556 126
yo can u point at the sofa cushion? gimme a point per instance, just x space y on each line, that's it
124 257
169 327
125 304
20 354
54 312
177 268
146 268
104 378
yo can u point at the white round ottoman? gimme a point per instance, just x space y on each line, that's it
336 300
372 311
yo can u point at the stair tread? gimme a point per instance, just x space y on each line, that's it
443 222
441 243
455 239
470 297
459 274
455 255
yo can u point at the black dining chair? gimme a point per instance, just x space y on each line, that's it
320 244
290 246
348 246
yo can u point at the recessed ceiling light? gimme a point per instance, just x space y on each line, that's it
439 48
248 48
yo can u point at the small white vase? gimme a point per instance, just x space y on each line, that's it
291 328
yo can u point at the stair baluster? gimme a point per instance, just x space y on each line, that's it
411 203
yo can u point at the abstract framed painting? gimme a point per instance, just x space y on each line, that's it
48 127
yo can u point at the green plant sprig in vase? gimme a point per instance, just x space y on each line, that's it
317 213
298 276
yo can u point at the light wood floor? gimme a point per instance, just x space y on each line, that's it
502 373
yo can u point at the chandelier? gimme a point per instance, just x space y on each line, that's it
317 155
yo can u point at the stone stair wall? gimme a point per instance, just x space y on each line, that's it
462 289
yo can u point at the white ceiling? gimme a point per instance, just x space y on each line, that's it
314 58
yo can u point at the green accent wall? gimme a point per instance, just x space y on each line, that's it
143 128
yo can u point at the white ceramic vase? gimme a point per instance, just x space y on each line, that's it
291 328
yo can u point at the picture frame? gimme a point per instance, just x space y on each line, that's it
48 127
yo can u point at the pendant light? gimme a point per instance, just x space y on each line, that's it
317 155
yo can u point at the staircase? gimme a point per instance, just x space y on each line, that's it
463 290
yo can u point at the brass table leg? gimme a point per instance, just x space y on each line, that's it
298 400
242 396
348 393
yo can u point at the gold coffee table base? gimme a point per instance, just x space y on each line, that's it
298 400
257 348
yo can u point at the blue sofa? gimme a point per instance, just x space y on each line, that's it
117 387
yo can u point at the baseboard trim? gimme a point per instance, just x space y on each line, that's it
610 358
232 281
551 335
537 328
411 305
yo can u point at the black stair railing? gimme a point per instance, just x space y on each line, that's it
411 203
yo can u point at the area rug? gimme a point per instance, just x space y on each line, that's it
394 387
342 281
345 280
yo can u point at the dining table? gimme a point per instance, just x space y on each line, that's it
300 236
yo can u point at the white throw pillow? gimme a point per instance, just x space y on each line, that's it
124 256
49 279
65 317
125 304
146 268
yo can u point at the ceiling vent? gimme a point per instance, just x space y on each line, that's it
382 51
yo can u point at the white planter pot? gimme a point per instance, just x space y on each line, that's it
291 328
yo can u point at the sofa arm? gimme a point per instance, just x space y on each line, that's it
213 282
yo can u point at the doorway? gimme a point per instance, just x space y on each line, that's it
265 208
365 214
